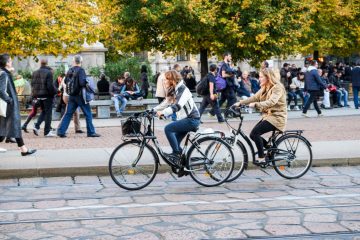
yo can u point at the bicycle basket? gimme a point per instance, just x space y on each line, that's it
131 127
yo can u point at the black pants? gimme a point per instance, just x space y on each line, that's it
260 128
45 115
19 141
214 107
228 95
313 99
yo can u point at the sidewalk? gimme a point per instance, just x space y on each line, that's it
78 155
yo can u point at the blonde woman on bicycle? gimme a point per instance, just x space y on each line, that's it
270 100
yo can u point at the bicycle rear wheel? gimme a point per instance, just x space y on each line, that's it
133 165
210 161
240 157
293 156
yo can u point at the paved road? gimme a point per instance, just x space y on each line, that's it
324 204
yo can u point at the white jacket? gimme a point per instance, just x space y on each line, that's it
184 107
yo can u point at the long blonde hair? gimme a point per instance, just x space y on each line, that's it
172 79
271 76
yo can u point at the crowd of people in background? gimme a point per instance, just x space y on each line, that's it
304 86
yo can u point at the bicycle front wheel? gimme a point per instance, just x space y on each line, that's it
133 165
293 156
210 161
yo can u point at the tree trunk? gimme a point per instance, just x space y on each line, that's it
316 55
204 62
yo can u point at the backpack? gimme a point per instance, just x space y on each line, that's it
72 82
220 81
202 88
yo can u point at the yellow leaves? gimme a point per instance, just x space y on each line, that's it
52 26
246 4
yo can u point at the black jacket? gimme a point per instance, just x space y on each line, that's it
355 76
42 83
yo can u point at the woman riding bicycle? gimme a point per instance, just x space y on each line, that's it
271 101
178 100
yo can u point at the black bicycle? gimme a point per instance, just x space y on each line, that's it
133 165
288 152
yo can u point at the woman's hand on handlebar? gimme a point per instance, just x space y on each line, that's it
160 115
252 105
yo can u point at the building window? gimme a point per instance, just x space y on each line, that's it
183 56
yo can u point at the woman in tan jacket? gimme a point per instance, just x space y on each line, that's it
271 102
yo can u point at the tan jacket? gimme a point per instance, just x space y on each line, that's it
160 86
272 105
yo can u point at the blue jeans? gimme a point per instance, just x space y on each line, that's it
356 97
342 94
123 102
291 97
74 103
176 131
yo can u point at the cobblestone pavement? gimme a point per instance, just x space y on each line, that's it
324 204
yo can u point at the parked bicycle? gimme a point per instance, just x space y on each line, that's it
133 165
288 152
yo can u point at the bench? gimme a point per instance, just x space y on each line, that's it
103 107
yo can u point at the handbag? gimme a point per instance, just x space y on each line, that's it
3 104
332 88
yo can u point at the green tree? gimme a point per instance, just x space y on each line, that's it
334 28
252 30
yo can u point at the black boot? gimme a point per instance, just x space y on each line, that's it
24 126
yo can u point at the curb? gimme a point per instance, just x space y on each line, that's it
103 170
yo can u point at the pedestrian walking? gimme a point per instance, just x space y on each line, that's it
160 93
43 89
211 97
314 86
10 125
65 99
76 79
144 81
355 79
227 94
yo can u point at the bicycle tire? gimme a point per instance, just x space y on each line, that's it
297 161
203 170
129 177
240 158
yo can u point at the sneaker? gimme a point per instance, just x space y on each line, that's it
210 115
2 150
61 135
36 131
296 108
50 134
140 98
174 158
320 115
79 131
119 114
305 115
221 121
289 108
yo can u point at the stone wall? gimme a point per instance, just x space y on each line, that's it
93 55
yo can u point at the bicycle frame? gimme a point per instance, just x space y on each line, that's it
271 141
149 136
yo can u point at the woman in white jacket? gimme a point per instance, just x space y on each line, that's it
178 100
